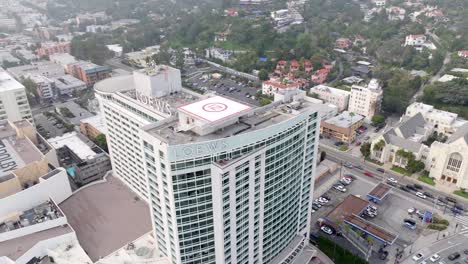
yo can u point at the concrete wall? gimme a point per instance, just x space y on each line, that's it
56 187
33 229
10 187
32 171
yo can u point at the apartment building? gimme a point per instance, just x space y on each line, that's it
331 95
14 105
366 101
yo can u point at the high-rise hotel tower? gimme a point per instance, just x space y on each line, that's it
227 182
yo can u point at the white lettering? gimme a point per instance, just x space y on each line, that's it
155 103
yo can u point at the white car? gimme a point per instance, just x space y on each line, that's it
322 200
392 180
340 188
418 257
434 258
412 210
421 195
326 230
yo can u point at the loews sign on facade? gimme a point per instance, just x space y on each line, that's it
156 103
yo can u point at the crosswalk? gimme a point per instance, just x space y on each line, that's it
463 221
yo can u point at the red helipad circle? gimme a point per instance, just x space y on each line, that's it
214 107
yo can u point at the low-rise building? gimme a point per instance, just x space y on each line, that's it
342 127
395 13
93 126
379 3
343 43
415 40
49 48
366 101
85 162
8 60
441 121
14 105
44 68
62 59
26 157
44 86
67 84
270 88
26 55
320 76
88 72
140 58
463 54
116 48
331 95
408 137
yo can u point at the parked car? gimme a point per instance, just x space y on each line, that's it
409 223
381 170
434 258
420 214
327 230
428 194
453 256
404 188
411 187
326 197
348 165
358 143
421 195
368 174
314 207
418 257
340 188
465 251
350 176
412 210
417 186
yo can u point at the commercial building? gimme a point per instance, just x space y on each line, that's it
49 48
44 68
342 127
442 121
366 101
85 162
248 171
93 126
62 59
44 86
331 95
88 72
26 157
67 84
14 103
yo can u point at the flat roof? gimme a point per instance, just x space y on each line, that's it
97 122
75 144
349 206
106 216
8 83
15 248
345 119
379 191
372 229
214 109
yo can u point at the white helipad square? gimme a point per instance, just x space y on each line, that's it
214 109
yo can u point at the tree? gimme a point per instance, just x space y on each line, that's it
378 119
365 149
263 75
179 63
101 141
379 145
414 166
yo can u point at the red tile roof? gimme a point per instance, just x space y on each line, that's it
282 86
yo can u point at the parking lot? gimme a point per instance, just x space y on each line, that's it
224 84
391 211
48 127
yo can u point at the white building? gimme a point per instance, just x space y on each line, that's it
442 121
395 13
331 95
447 162
270 88
116 48
44 68
62 59
366 101
415 40
379 3
44 86
249 172
14 103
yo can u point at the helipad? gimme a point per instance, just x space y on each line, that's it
214 109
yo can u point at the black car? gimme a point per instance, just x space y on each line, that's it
381 170
428 194
417 186
454 256
450 199
359 167
315 207
326 197
411 187
465 251
403 188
